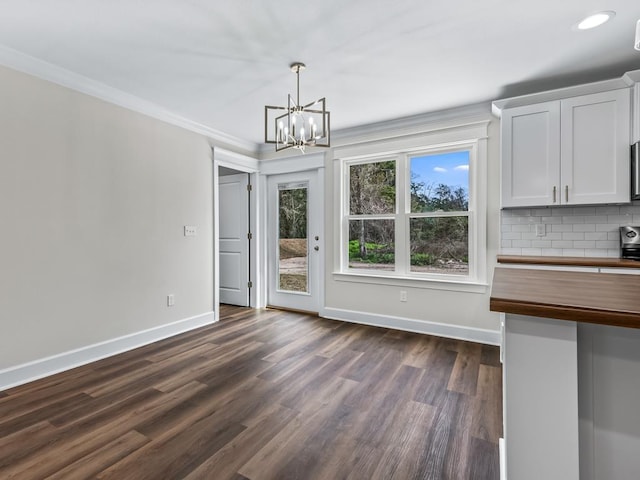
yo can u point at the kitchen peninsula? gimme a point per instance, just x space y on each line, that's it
571 352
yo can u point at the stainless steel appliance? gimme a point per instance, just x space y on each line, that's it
630 242
635 171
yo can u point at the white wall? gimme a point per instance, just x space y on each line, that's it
93 200
459 312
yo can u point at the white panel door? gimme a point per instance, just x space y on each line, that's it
595 148
294 240
234 241
531 155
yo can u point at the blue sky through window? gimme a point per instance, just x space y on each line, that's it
451 168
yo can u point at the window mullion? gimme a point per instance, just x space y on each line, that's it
372 216
439 214
402 209
344 239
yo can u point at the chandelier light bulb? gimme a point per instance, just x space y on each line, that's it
281 131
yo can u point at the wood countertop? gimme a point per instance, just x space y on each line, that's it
602 262
602 298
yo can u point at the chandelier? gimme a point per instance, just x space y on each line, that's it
300 126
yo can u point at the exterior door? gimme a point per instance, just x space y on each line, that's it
294 241
234 239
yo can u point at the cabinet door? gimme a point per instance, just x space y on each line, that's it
530 155
595 148
540 375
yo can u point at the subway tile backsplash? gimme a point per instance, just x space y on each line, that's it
568 231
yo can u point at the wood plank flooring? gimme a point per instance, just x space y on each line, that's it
264 395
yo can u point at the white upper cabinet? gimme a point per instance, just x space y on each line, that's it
573 151
530 154
594 148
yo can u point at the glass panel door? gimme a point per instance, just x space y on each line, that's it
293 245
294 215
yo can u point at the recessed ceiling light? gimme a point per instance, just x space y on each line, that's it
595 20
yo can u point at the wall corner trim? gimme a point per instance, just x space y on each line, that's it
458 332
44 367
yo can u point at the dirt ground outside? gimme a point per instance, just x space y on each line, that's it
293 266
293 247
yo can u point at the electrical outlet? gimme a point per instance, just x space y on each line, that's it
171 301
190 231
403 295
541 230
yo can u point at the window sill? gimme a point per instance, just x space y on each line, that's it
467 286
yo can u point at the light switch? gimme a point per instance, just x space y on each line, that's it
190 231
541 231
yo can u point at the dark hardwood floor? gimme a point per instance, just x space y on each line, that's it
264 395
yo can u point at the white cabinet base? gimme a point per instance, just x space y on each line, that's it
571 400
540 399
609 410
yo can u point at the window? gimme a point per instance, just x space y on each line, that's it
414 214
293 268
372 209
439 213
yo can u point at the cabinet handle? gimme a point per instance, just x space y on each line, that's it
566 193
554 194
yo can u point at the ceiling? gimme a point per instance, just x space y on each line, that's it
218 62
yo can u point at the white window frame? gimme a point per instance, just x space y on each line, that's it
472 138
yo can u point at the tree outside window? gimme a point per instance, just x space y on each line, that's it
410 214
439 219
372 208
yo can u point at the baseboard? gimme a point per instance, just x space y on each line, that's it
478 335
27 372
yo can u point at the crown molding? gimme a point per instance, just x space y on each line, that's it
559 94
420 123
47 71
632 77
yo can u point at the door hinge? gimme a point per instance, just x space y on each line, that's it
249 187
250 235
250 284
